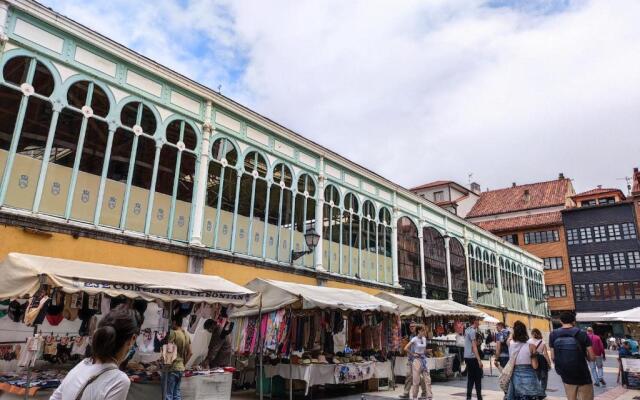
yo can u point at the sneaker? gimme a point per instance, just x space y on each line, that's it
404 396
596 384
603 382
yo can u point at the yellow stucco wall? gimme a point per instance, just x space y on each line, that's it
243 274
15 239
511 318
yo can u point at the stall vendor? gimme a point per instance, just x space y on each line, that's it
219 354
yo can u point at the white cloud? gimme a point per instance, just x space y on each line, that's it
414 90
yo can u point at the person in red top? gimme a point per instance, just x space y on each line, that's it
597 373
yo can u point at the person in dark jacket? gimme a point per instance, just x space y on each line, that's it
219 354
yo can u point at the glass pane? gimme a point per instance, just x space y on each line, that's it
116 178
43 82
16 69
164 191
211 203
9 105
140 184
182 215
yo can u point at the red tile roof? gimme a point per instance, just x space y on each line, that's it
599 191
432 184
540 194
518 223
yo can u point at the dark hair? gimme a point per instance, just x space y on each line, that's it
177 319
419 328
208 324
520 332
114 329
535 332
567 317
500 324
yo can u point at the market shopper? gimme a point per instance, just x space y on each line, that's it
219 353
597 371
502 349
524 383
544 361
408 380
473 360
570 351
417 351
182 341
623 351
98 377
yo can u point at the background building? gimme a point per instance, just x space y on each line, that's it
530 216
450 195
604 251
107 156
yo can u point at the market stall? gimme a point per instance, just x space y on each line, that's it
443 320
56 304
318 335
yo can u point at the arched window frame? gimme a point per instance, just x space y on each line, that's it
332 200
351 207
307 195
384 221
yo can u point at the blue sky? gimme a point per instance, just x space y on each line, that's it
509 91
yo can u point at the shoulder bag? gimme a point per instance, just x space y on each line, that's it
92 379
505 376
542 360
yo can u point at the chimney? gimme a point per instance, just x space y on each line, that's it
513 184
599 186
475 187
635 170
526 196
560 176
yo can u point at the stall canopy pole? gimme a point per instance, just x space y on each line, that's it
290 354
260 347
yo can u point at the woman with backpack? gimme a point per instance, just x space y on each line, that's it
524 381
542 353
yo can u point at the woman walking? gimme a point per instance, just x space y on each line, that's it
524 381
544 361
98 377
417 351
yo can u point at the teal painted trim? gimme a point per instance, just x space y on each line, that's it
350 244
377 255
340 261
17 130
360 247
251 207
294 195
304 221
45 159
235 211
279 224
265 231
219 206
174 195
329 265
152 189
103 177
79 150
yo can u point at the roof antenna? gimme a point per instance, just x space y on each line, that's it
628 180
219 89
469 176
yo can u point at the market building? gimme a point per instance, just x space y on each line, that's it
604 253
109 157
530 216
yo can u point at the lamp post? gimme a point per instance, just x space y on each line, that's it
490 286
311 238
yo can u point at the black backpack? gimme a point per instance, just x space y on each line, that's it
569 356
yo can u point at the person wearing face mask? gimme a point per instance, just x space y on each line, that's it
98 377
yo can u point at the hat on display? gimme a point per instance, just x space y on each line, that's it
322 359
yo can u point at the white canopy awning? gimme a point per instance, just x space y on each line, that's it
593 316
632 315
412 306
279 294
22 275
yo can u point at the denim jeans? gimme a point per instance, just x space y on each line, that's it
524 384
172 385
597 372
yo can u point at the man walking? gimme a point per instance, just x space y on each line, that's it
408 380
570 351
502 349
597 372
473 360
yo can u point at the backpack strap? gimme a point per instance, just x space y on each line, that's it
92 379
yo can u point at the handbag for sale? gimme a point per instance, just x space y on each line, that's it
505 376
169 353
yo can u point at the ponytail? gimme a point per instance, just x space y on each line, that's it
114 330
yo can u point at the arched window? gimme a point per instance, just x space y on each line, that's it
170 216
332 229
368 263
350 234
458 270
409 256
221 195
304 216
25 117
251 200
384 245
435 263
280 208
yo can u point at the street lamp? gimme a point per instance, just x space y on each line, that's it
545 298
311 238
490 284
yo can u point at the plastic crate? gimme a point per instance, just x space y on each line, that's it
213 387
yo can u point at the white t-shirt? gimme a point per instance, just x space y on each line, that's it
111 385
418 345
522 350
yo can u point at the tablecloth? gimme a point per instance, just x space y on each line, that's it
325 374
435 363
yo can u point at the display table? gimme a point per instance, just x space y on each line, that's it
214 386
401 367
330 374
